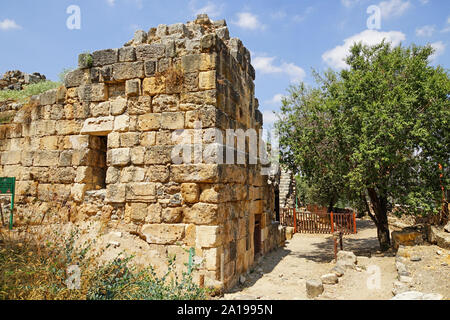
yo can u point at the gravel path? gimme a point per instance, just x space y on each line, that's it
282 273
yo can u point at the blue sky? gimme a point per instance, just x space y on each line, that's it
287 38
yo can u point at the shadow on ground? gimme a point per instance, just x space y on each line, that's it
270 261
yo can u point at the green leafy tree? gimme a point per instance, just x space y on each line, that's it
385 123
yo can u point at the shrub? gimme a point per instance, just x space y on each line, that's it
33 268
28 91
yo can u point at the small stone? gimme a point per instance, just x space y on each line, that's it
439 253
447 227
405 279
329 278
432 296
409 295
346 259
114 244
416 259
314 288
338 270
242 279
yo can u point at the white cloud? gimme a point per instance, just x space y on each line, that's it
276 100
393 8
280 14
349 3
447 27
266 65
335 57
425 31
247 20
9 24
269 118
111 2
439 48
211 9
304 15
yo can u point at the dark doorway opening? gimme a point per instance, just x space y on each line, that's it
277 205
99 144
257 235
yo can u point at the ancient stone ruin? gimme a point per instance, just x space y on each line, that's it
101 148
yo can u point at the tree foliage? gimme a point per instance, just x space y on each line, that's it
376 131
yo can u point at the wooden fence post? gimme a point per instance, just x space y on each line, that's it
295 221
354 222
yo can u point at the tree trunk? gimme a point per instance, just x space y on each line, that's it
379 205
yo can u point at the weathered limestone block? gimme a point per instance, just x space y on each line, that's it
105 57
136 211
112 175
150 52
140 105
95 92
172 120
150 68
190 192
210 194
84 175
46 158
154 85
74 78
11 157
314 288
157 174
151 121
148 139
118 106
172 215
127 54
98 126
48 97
201 214
154 213
141 192
410 236
128 70
100 109
208 173
191 63
133 87
208 237
212 258
119 157
165 103
80 142
115 193
163 233
158 155
138 155
122 123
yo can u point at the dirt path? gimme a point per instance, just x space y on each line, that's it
282 274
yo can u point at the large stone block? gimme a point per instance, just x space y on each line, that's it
158 155
115 193
105 57
74 78
208 173
163 233
133 87
172 120
122 123
136 211
201 214
139 105
208 237
128 70
141 192
96 92
98 126
151 121
154 85
190 192
48 97
150 52
46 158
127 54
119 157
207 80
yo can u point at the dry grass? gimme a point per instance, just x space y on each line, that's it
35 267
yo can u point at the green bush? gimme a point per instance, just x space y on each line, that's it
37 269
28 91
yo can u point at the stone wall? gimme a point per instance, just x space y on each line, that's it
287 189
108 135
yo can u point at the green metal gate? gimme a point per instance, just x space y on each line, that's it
8 186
